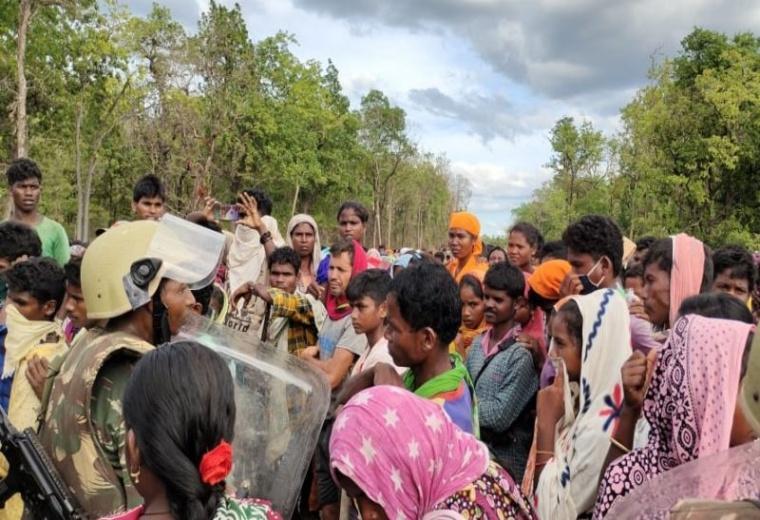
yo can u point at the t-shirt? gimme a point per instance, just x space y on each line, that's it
340 333
378 353
459 405
55 242
454 392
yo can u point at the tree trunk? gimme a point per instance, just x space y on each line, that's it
79 232
204 179
87 193
419 227
22 133
295 199
389 211
377 232
571 196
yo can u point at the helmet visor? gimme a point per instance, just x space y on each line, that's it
189 253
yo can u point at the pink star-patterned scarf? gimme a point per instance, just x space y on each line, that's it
403 451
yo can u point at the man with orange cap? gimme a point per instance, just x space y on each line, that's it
465 246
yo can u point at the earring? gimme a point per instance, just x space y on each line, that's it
135 476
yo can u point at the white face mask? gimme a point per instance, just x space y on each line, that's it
23 335
585 279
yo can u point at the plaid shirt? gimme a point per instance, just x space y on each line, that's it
302 328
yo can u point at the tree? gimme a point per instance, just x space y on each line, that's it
26 11
383 136
577 155
686 158
461 188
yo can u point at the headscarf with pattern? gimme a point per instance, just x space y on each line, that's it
569 482
689 405
430 459
687 271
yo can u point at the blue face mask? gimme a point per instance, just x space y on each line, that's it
585 279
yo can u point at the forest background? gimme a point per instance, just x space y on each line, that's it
99 97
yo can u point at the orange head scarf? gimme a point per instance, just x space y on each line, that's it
547 278
470 223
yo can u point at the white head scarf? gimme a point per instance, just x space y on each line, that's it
569 482
303 218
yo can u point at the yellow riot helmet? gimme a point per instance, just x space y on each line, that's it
123 267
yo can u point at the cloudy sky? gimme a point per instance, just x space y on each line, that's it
483 81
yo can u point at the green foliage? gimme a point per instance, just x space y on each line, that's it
113 96
686 158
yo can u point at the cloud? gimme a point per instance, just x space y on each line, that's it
561 48
497 191
485 116
184 11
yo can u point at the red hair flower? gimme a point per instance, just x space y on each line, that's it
216 464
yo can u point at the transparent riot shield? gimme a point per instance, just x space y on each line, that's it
710 485
281 404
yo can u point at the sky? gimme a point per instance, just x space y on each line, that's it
484 81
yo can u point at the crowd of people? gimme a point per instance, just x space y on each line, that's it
559 379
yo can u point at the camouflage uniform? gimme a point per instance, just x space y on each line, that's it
82 425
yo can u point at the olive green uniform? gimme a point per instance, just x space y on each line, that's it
82 427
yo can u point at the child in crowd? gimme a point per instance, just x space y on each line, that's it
366 293
503 372
18 242
75 324
473 314
590 343
36 288
293 319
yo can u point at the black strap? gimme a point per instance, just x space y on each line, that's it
502 347
265 326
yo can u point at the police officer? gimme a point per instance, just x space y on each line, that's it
138 277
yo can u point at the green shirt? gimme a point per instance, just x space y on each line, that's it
55 242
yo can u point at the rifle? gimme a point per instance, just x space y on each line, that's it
32 474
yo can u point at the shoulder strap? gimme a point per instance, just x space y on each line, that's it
501 348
